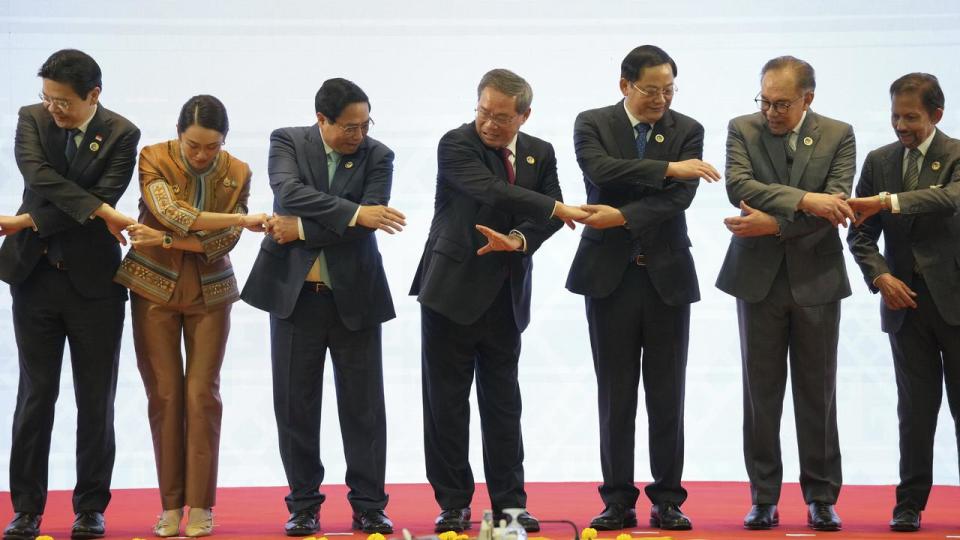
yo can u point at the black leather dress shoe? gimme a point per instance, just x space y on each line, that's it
453 519
615 517
23 526
372 521
88 524
525 519
302 523
667 516
822 517
905 520
761 517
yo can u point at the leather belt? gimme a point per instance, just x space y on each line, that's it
316 287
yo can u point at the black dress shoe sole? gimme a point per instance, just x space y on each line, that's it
656 523
301 532
760 526
824 528
20 536
530 529
382 529
444 528
626 524
904 527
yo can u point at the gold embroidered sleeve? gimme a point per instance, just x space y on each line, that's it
175 214
219 242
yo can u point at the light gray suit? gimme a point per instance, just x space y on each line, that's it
922 249
788 291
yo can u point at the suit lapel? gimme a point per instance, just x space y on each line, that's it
809 131
660 139
55 138
97 132
893 165
346 168
317 159
623 132
928 175
777 154
525 165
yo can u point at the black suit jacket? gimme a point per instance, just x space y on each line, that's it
472 189
653 207
924 235
298 176
61 198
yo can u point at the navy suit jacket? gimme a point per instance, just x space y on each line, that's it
653 206
472 188
60 197
924 235
298 176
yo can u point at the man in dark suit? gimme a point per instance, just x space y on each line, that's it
320 277
909 191
59 257
497 201
641 165
789 171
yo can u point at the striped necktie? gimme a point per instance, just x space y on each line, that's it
912 175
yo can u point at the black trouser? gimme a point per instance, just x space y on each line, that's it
768 330
634 335
47 313
299 346
926 354
452 354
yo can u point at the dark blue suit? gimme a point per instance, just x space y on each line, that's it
305 323
473 309
638 311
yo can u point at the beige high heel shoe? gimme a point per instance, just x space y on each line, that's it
169 523
199 522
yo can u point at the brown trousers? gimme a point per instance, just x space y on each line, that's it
183 403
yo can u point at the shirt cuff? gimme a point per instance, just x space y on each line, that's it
353 220
523 240
33 224
894 204
300 228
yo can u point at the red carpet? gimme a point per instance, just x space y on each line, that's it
716 508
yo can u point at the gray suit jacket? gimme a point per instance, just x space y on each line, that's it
924 235
298 177
757 173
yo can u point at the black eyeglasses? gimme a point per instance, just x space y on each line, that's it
778 107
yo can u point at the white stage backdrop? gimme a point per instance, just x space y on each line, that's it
420 63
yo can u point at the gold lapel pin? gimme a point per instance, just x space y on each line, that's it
176 189
658 137
935 165
348 165
530 160
228 183
807 141
94 146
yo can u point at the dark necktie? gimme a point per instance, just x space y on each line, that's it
636 248
912 175
70 149
505 153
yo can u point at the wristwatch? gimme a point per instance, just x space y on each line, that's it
167 242
883 199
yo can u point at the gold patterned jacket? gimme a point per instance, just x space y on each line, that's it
172 195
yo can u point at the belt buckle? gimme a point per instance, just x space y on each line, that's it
640 260
317 286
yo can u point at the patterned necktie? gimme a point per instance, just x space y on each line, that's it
912 174
636 248
505 154
642 129
70 149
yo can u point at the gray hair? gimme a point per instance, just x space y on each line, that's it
510 84
806 78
